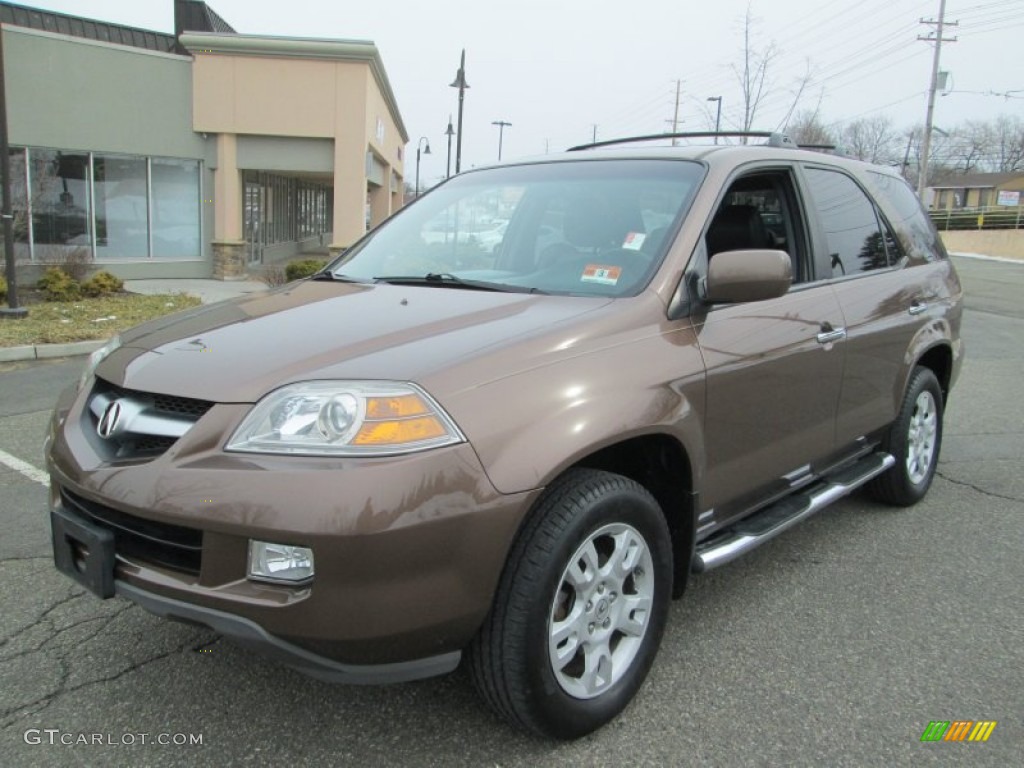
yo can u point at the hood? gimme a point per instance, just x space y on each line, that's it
238 350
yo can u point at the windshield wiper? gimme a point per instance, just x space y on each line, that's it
448 280
338 278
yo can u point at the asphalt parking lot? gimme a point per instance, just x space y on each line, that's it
834 645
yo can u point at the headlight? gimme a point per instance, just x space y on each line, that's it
96 358
345 418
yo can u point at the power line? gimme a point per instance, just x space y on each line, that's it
853 59
851 118
844 40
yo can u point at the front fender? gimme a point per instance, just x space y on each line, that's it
529 427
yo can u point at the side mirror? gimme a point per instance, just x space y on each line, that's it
754 275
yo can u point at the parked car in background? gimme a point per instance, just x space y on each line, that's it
515 456
490 239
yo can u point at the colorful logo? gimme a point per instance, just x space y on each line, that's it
958 730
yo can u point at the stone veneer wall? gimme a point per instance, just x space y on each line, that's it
229 260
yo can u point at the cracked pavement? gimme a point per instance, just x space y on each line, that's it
835 644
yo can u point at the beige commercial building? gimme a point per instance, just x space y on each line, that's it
202 153
978 190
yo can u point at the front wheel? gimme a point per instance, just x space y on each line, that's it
914 441
580 609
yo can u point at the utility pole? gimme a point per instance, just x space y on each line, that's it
502 125
926 140
593 139
718 115
675 114
906 155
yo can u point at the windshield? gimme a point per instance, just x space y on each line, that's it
589 228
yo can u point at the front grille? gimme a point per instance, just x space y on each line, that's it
170 404
150 541
166 418
183 405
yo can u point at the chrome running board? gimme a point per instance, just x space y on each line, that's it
753 531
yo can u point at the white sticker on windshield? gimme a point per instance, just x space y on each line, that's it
634 241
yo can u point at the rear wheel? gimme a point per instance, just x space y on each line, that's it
914 441
580 609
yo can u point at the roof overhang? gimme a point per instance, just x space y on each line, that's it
300 48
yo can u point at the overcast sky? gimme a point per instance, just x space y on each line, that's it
556 68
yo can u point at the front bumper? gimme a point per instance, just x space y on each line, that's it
408 549
248 633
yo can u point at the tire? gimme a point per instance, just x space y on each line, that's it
914 440
580 607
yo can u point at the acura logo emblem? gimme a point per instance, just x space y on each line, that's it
110 420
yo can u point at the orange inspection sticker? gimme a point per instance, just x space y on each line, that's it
595 273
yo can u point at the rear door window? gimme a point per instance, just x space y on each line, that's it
855 238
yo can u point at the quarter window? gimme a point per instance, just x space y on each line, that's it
855 240
916 232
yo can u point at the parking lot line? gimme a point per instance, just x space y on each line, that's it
32 473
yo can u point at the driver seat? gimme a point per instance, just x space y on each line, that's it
737 228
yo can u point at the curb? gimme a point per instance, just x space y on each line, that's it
983 257
48 351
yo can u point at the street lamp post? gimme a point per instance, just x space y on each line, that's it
449 133
12 310
502 125
419 145
718 115
462 85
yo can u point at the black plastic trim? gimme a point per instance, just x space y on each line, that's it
251 634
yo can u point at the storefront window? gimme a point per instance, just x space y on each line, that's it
59 203
175 185
278 209
119 188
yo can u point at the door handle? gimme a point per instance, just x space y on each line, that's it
829 334
917 308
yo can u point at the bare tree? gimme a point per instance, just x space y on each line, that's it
982 146
807 128
969 146
1007 152
941 163
752 72
872 139
753 76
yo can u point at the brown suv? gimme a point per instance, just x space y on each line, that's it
518 451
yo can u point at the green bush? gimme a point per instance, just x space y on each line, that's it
300 269
58 285
101 284
3 288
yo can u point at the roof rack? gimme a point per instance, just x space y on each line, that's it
774 139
